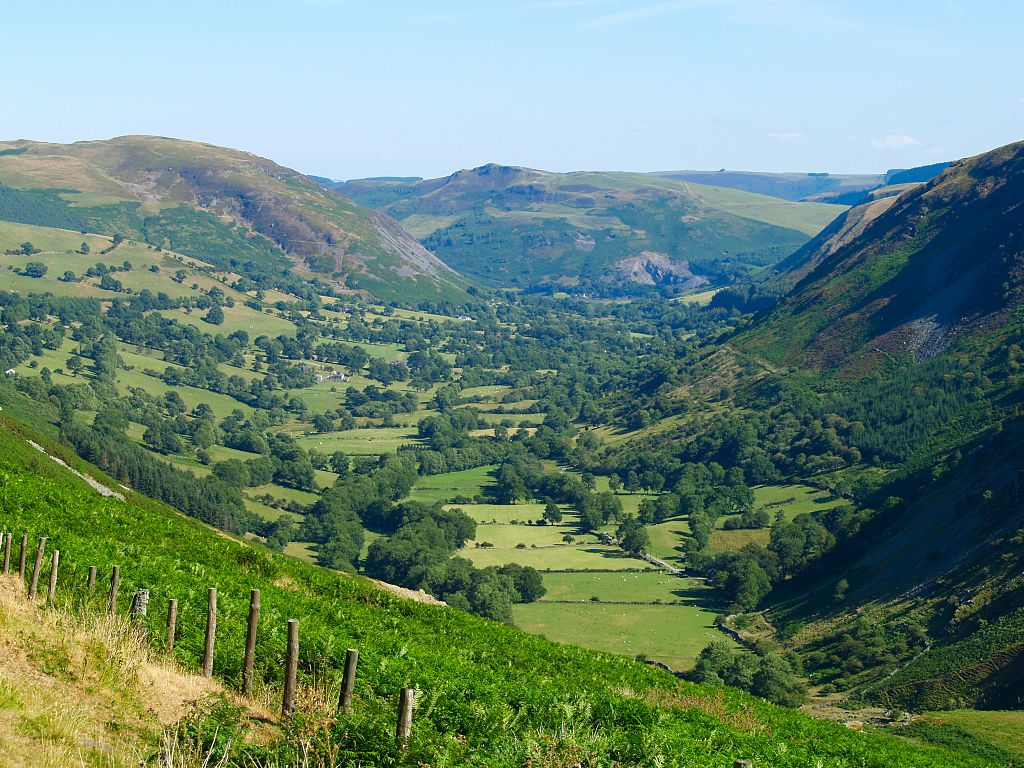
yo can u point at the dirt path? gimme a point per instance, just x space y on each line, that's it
612 541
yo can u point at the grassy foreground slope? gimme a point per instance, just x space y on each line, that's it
488 694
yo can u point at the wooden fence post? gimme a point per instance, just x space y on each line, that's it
140 603
172 621
115 580
348 681
7 554
90 582
36 568
291 667
54 561
211 631
404 729
24 553
250 640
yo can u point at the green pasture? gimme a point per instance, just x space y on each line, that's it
236 318
268 513
727 541
449 485
665 538
361 442
223 453
646 587
53 359
804 499
222 405
11 281
287 494
493 392
509 536
387 352
303 550
502 513
701 299
671 634
576 557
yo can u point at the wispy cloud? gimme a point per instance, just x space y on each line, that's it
650 11
894 141
778 14
791 15
786 136
488 10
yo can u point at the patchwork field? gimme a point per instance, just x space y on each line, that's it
597 595
361 442
671 634
667 538
502 513
453 485
609 587
576 557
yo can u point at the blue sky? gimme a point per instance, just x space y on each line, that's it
350 88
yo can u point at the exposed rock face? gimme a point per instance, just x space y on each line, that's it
650 268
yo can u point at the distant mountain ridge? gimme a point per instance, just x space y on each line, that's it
788 186
217 204
521 227
842 188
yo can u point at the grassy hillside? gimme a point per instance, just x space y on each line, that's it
941 262
514 226
221 205
475 705
88 690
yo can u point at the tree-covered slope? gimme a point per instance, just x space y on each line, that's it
487 694
903 332
513 226
222 205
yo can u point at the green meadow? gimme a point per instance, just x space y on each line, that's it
671 634
451 485
644 587
361 442
575 557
